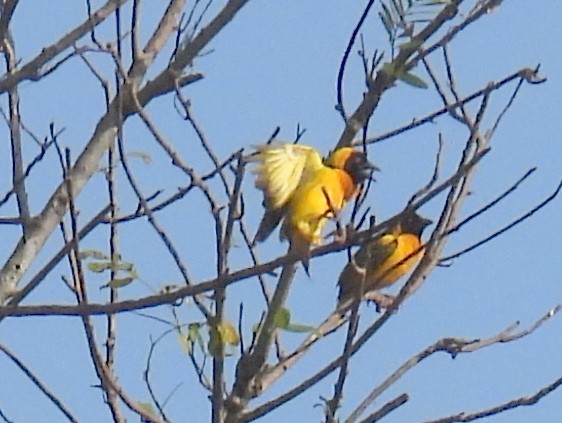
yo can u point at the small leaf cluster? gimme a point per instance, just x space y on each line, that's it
99 262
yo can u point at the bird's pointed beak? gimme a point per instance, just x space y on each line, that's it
360 168
372 166
368 169
426 222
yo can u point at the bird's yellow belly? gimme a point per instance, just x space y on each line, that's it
396 265
314 203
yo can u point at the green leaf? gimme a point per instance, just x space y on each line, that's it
121 266
434 2
117 257
389 13
389 68
413 44
407 30
120 282
185 343
388 21
221 336
398 7
133 273
99 266
282 318
214 346
411 79
228 333
148 409
298 328
145 157
283 321
96 254
407 77
191 338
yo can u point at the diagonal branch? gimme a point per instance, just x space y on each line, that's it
384 80
345 58
87 163
251 363
42 387
14 121
7 12
521 75
232 277
31 71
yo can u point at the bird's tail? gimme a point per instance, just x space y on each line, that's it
269 222
351 284
300 246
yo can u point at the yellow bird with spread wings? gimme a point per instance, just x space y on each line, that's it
304 191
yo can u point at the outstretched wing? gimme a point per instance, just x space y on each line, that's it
281 168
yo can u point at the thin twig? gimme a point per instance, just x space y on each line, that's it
37 382
32 69
507 227
18 179
341 71
386 409
233 276
252 362
522 74
81 294
333 404
146 373
501 408
452 346
434 177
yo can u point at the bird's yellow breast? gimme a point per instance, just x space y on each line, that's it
396 265
315 201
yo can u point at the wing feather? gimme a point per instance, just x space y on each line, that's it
281 168
366 260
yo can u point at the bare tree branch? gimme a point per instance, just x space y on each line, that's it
26 250
452 346
31 71
18 177
341 71
501 408
42 387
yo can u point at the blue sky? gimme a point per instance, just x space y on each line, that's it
276 65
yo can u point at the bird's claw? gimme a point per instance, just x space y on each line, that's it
381 301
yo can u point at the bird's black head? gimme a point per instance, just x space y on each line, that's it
413 223
358 167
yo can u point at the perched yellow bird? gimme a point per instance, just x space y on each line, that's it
383 260
304 191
